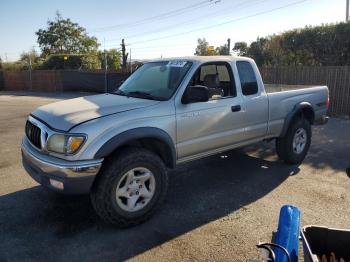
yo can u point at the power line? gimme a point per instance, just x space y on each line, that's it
196 19
175 12
160 46
219 24
223 23
157 50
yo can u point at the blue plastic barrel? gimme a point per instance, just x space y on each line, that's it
287 234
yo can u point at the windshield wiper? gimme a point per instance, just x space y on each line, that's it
140 94
120 92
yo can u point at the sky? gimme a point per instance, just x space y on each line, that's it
166 28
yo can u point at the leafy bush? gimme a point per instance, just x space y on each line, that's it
15 66
324 45
71 62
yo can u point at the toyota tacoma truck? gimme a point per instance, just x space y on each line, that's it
119 146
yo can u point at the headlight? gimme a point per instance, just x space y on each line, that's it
56 143
65 144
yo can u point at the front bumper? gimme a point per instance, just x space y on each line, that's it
77 176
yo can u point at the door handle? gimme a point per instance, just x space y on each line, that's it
236 108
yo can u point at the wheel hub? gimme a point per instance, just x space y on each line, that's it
135 189
299 141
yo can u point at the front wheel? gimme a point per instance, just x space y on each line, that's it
130 187
293 147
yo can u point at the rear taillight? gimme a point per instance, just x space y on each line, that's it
327 103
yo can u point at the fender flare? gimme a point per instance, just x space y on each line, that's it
291 115
135 134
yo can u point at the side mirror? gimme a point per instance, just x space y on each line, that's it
194 94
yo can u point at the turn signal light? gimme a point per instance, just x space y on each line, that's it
56 184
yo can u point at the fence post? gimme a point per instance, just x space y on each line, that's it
30 74
106 87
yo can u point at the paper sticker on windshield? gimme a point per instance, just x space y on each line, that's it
177 63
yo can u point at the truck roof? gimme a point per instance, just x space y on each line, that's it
202 59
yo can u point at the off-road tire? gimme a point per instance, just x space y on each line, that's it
284 145
103 195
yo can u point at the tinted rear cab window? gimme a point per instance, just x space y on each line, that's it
249 83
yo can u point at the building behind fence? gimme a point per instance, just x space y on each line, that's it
337 78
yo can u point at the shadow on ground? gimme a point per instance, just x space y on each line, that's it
326 151
37 224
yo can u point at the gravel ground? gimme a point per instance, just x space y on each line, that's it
217 208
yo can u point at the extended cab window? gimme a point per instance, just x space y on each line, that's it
247 77
217 77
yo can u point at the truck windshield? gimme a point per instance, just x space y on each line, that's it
155 80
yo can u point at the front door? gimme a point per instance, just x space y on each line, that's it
215 124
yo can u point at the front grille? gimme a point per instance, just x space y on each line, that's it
33 133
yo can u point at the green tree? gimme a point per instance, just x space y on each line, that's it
324 45
241 48
72 62
0 63
202 47
91 60
13 66
258 51
30 58
274 53
62 36
30 55
23 63
113 57
222 50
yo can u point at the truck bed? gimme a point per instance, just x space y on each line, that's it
283 98
273 88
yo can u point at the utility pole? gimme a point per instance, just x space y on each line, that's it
130 61
106 66
228 46
347 11
124 56
30 73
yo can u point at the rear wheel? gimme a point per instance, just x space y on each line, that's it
293 147
130 187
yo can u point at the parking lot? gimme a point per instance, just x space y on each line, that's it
217 208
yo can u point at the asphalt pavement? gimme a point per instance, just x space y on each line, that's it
217 208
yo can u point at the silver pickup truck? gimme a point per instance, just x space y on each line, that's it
119 146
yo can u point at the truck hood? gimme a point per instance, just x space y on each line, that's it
65 114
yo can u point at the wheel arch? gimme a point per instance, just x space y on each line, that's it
303 109
151 138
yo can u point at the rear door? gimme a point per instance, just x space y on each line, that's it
206 126
255 100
